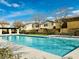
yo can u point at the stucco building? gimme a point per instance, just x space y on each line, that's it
70 25
31 26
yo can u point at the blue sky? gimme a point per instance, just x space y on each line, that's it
24 9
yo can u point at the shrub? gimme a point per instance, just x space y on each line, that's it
23 32
6 53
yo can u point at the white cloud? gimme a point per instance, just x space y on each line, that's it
2 10
8 4
15 5
5 2
71 8
49 18
60 12
75 11
19 13
70 15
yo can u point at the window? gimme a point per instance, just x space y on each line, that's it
54 27
37 25
45 25
64 25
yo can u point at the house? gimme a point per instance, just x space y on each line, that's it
57 25
43 26
47 25
31 26
64 28
36 26
70 25
64 25
73 25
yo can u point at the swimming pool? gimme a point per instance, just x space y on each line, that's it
58 46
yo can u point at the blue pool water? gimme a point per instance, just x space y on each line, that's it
56 46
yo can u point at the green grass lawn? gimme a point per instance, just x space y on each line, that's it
37 34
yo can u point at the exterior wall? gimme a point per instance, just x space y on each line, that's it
36 26
28 27
42 26
22 28
73 24
49 25
4 30
64 30
57 25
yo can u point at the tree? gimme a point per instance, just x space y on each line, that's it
3 23
61 15
38 17
62 12
18 24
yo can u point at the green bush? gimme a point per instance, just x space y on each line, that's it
44 31
32 32
6 53
23 32
74 32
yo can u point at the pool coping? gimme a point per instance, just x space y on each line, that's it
25 34
45 36
63 36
